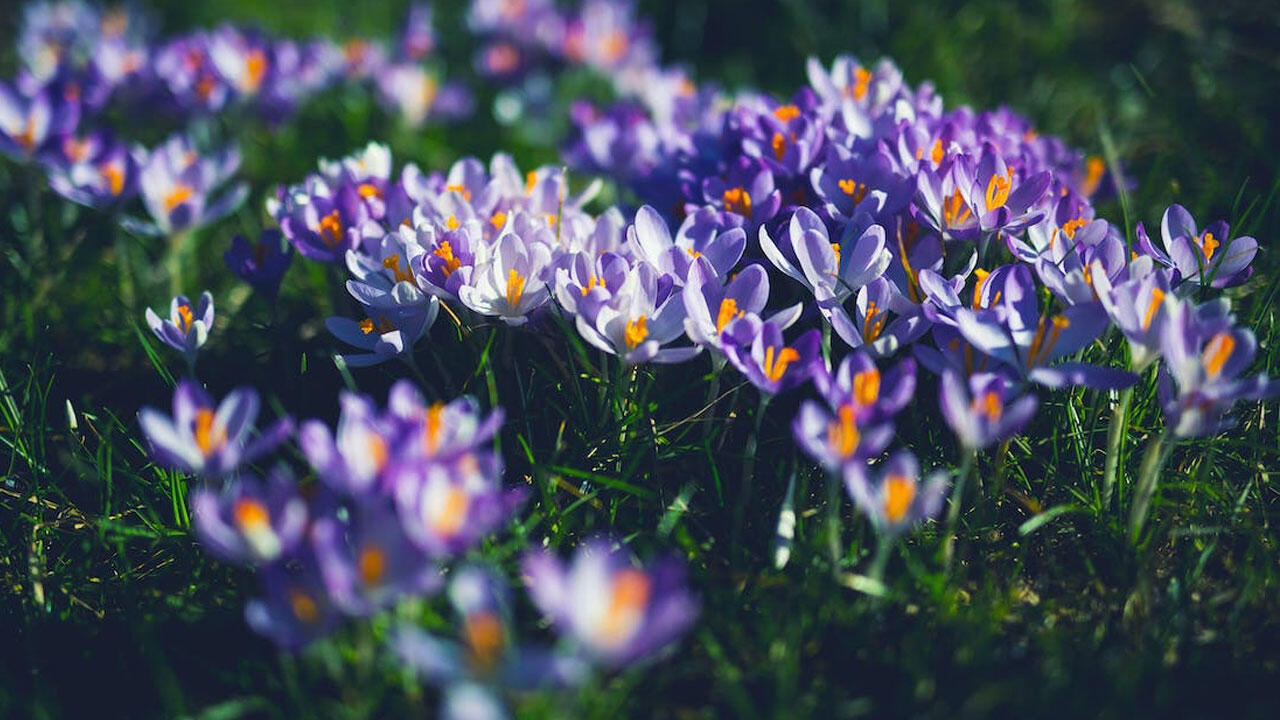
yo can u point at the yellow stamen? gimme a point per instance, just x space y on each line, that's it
1209 244
372 564
635 332
1094 168
998 190
183 318
737 200
954 210
530 180
113 176
445 253
377 449
461 190
982 276
786 113
179 195
499 220
366 326
1046 337
1217 353
515 287
938 153
209 437
483 633
250 514
899 491
368 190
1072 226
861 82
989 405
433 426
842 433
776 366
1153 307
853 189
303 606
628 598
331 230
452 222
866 387
392 263
255 69
873 322
592 282
451 513
728 312
779 144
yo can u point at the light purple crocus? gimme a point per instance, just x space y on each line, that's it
617 613
187 327
873 396
711 306
447 506
757 349
440 431
1200 381
893 495
985 409
95 171
249 521
30 126
832 272
178 184
1211 257
700 236
486 659
367 562
510 282
203 439
637 321
295 607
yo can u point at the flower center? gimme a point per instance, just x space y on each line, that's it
873 322
209 436
255 69
775 364
1153 307
461 190
392 263
728 312
372 564
989 405
303 606
628 597
515 287
250 514
899 491
1217 353
842 433
866 387
635 332
998 190
445 253
331 229
954 210
786 113
1047 334
483 633
177 196
737 200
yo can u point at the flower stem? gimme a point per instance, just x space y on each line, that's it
748 476
953 510
881 559
1115 444
1152 463
833 519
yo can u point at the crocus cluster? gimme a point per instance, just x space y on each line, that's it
80 63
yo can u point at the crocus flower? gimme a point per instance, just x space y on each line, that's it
757 349
29 126
831 271
441 431
1135 307
295 607
984 410
177 185
187 327
249 521
618 613
368 564
834 439
638 320
711 306
95 171
1211 257
873 396
485 659
390 329
355 459
893 496
510 282
263 263
446 507
318 220
1200 381
745 191
1001 200
700 235
204 439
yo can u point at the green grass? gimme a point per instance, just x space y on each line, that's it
111 609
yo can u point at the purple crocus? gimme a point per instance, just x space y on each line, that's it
617 612
1211 257
984 410
318 220
31 126
757 349
367 562
203 439
893 495
711 306
295 607
831 271
95 171
187 327
441 431
485 659
355 460
177 185
638 320
1200 381
510 283
250 521
260 263
447 507
700 236
746 192
872 395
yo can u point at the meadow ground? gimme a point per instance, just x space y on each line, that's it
110 609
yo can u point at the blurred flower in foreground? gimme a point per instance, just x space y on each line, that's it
616 612
893 496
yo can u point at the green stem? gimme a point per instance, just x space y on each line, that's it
883 549
833 520
748 476
1149 476
953 510
177 247
1116 433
